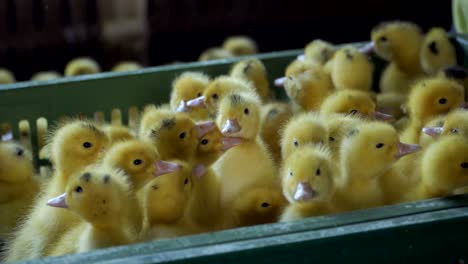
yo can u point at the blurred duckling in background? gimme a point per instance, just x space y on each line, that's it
437 52
308 182
18 185
45 76
215 53
253 70
274 117
294 68
302 129
74 145
240 45
117 133
6 76
319 51
82 66
124 66
188 86
103 200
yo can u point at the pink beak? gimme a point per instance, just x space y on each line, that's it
280 82
231 126
165 167
229 142
405 149
182 107
433 131
367 49
198 102
199 170
304 192
382 116
204 127
58 201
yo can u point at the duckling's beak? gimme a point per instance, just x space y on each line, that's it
464 105
182 107
58 201
197 102
433 131
229 142
199 170
301 57
279 82
165 167
367 49
204 127
304 192
405 149
231 126
381 116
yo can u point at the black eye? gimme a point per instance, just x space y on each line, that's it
137 162
442 101
87 145
331 138
296 144
454 131
433 48
383 39
185 181
198 94
464 165
290 173
379 145
353 112
215 96
246 111
19 152
265 204
182 135
78 189
155 187
204 142
317 172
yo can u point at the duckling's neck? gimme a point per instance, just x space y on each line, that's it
106 236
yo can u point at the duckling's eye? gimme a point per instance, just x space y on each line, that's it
204 142
87 145
442 100
19 152
78 189
454 131
464 165
182 135
186 181
331 138
246 111
296 144
215 96
265 204
433 47
154 187
353 112
137 162
198 94
379 145
317 172
383 39
290 173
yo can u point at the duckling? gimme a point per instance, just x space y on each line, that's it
367 153
294 68
303 129
136 158
309 89
103 200
74 145
437 52
319 51
117 133
239 117
240 45
308 182
458 74
352 102
456 123
253 70
152 115
124 66
431 130
352 70
45 76
188 86
338 126
18 185
82 66
274 117
215 53
6 76
429 98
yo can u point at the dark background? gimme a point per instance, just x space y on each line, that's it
40 35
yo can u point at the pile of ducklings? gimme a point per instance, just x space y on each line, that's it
223 153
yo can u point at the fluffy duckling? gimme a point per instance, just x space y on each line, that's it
319 51
253 70
117 133
303 129
367 154
45 76
18 185
308 182
456 123
431 130
352 70
188 86
437 52
152 115
126 66
215 53
239 118
338 126
274 117
103 200
74 145
6 76
428 99
294 68
240 45
82 66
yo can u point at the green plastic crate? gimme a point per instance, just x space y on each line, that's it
430 231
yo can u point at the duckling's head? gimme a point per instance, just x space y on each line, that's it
437 52
352 69
124 66
338 127
239 115
432 97
307 128
135 157
151 116
45 76
253 70
82 66
240 45
211 146
15 163
188 86
215 53
319 51
456 123
6 76
308 174
117 133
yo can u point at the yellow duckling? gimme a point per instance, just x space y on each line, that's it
103 200
303 129
6 76
240 45
437 52
18 185
456 123
188 86
428 99
152 115
124 66
45 76
296 67
74 146
253 70
215 53
308 182
82 66
319 51
338 126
